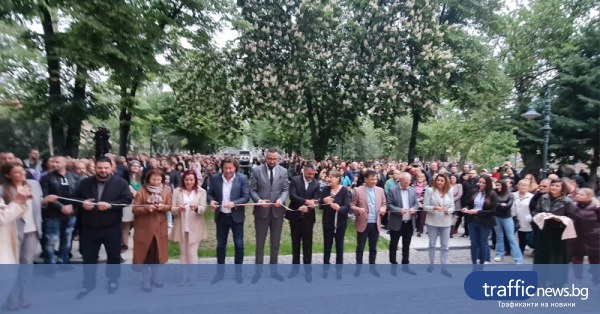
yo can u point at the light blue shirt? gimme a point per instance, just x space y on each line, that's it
371 201
479 200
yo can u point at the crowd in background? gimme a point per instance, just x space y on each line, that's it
43 201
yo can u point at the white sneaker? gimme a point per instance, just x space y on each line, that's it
497 259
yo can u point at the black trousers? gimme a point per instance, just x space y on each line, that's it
90 241
406 232
372 234
302 235
329 234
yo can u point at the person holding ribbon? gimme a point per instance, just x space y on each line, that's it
189 226
150 239
335 203
102 198
481 207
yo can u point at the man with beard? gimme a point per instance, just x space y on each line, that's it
101 211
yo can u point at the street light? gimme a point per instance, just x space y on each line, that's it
533 114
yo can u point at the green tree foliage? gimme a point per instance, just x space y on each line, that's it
538 36
576 110
203 110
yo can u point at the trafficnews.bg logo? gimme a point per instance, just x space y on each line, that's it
515 285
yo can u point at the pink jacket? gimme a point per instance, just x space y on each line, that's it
359 200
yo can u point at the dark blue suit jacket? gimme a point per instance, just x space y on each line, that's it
240 194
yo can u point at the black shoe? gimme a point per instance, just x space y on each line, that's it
406 269
218 277
83 292
464 236
308 277
293 273
276 276
65 267
374 272
446 273
256 277
122 260
112 287
157 284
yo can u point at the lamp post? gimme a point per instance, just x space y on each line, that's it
533 114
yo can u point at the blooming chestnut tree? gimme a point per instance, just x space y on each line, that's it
407 63
295 68
319 65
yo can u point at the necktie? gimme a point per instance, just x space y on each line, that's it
271 175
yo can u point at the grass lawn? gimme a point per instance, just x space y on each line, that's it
208 247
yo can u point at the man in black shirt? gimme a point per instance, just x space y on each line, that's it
58 215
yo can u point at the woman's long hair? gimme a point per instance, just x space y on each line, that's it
8 186
504 190
446 186
488 192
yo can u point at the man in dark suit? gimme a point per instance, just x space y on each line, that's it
401 206
304 195
226 190
101 223
269 184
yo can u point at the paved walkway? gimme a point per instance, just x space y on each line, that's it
419 254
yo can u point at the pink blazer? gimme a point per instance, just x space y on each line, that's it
359 200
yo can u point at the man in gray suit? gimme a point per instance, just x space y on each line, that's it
269 184
401 206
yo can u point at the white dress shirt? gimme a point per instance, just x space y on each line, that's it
227 185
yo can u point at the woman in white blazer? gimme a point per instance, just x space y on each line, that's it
438 203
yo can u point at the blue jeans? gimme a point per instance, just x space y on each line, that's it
505 227
58 230
224 223
479 241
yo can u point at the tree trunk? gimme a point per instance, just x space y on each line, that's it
77 114
412 145
54 85
127 105
318 142
532 164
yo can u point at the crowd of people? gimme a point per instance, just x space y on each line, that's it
101 201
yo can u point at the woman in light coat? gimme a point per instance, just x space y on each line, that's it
29 227
9 241
189 226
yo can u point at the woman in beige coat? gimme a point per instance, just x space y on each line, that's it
189 226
